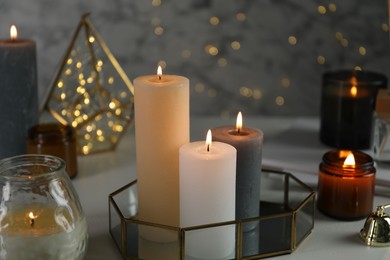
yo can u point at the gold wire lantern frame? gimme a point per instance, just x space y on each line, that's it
123 231
103 107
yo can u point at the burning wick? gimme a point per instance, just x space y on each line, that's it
13 33
208 140
350 160
239 122
32 219
353 89
159 72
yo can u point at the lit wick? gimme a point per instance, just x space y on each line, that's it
239 122
159 72
349 161
353 89
32 219
13 33
208 140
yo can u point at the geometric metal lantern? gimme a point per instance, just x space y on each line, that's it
91 92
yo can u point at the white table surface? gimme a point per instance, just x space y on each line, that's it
290 143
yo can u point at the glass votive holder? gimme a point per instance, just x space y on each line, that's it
347 107
346 184
41 216
57 140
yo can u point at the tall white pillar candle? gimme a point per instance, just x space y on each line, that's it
161 127
207 195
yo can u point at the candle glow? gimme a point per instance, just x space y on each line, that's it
239 122
208 140
13 32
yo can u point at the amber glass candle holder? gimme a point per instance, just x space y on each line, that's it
347 107
346 190
57 140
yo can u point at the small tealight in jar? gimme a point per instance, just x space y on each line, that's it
346 185
54 139
41 214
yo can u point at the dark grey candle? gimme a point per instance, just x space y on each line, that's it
248 143
18 94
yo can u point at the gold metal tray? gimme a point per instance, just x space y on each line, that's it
286 219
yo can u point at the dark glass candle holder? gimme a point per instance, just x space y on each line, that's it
346 191
347 107
57 140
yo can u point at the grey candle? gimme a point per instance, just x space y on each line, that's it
248 143
19 94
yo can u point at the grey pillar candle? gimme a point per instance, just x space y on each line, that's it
18 94
248 143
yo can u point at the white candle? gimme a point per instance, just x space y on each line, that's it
207 195
161 127
47 234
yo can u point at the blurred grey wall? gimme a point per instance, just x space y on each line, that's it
259 56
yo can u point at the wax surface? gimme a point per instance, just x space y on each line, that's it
249 153
18 95
161 127
207 195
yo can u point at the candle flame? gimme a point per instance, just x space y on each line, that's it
159 72
13 32
239 122
353 89
350 160
31 215
32 218
208 140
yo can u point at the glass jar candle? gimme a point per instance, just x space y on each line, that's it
57 140
347 108
346 184
41 216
